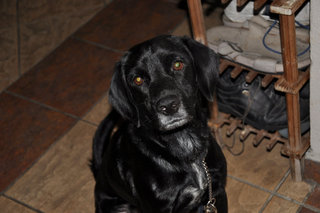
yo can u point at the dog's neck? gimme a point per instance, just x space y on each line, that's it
190 145
187 144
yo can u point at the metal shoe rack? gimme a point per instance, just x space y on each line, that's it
290 82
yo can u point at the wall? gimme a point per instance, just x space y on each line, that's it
314 152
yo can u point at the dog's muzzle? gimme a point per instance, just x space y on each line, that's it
171 113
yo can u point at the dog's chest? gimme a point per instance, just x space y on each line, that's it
198 185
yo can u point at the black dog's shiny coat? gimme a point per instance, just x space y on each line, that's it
152 163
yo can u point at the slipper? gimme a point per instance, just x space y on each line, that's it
239 18
233 17
257 46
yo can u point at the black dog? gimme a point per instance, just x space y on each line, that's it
153 162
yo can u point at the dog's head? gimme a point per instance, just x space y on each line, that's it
157 83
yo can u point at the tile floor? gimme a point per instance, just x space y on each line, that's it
30 30
48 118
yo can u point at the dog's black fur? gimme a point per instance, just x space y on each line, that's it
152 163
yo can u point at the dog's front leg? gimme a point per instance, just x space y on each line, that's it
107 202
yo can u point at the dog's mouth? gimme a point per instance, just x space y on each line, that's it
179 119
175 123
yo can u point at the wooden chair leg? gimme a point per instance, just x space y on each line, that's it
291 74
199 34
197 21
289 57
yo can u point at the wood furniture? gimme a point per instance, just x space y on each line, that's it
290 82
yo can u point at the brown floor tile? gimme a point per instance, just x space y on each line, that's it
183 29
46 24
312 171
279 205
61 181
26 131
99 111
8 43
8 206
295 190
255 164
124 23
106 2
244 198
71 79
212 20
314 198
305 210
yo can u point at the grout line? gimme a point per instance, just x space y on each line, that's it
89 122
312 208
44 152
250 184
266 203
178 25
98 44
259 187
275 190
298 203
282 181
22 203
314 185
299 209
301 204
42 104
77 118
58 45
92 107
39 157
310 192
275 193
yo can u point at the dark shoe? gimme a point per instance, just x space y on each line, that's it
262 108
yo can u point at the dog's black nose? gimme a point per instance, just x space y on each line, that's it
168 105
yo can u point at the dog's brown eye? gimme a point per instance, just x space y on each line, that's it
138 81
178 65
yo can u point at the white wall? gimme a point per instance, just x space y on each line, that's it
314 152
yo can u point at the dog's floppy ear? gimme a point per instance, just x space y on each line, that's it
120 96
206 62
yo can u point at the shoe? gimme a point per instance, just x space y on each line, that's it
257 46
235 17
262 108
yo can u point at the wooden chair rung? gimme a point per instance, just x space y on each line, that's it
305 142
224 1
271 144
258 4
267 79
284 86
233 126
235 72
285 7
241 3
251 76
223 65
274 139
244 133
258 139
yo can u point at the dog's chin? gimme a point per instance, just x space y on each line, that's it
174 123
